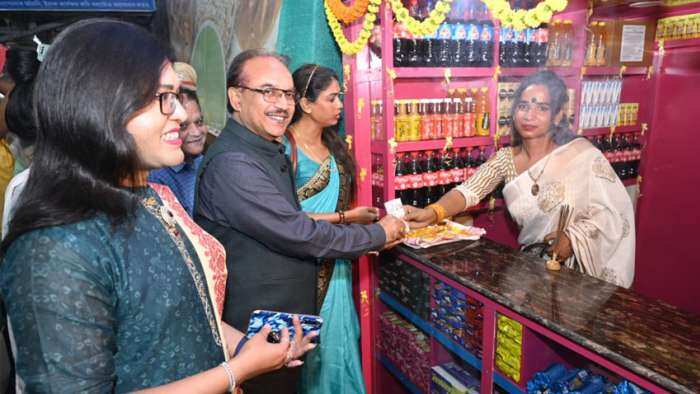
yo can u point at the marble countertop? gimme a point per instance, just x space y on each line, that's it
648 337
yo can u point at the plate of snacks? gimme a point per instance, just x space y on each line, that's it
443 233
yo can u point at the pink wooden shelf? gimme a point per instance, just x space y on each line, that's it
614 70
525 71
439 72
410 146
606 130
680 43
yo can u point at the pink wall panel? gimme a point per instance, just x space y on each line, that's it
668 261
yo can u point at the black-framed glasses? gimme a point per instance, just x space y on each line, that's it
167 101
273 95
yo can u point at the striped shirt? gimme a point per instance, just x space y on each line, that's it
499 168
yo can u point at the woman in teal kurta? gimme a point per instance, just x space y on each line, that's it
324 177
109 286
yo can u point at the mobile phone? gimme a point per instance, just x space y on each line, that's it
280 320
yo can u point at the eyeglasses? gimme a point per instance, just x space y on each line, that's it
273 95
167 102
540 108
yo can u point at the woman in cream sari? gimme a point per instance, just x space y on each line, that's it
324 174
547 168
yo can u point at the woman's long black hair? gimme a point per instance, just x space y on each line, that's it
311 86
97 75
22 67
561 132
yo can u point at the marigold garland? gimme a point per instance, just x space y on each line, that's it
348 14
426 27
347 47
520 19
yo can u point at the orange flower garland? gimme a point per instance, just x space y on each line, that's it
348 14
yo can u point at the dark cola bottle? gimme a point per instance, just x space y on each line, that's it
486 42
401 179
416 182
430 179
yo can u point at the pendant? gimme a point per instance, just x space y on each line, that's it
535 189
168 216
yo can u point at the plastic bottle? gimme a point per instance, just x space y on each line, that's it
416 181
503 39
486 43
458 130
445 176
483 121
437 115
430 179
539 52
459 39
426 120
473 42
444 39
413 121
401 124
400 178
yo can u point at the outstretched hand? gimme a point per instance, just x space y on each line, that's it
417 217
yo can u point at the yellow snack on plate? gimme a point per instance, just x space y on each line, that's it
441 234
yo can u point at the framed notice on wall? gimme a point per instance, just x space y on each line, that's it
632 43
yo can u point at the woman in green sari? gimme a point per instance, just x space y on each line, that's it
324 172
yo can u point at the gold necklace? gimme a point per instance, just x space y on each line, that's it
535 189
308 150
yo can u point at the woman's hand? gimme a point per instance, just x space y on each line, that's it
362 215
563 250
417 217
259 356
300 345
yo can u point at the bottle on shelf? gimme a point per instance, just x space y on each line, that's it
504 42
554 50
430 179
426 120
592 42
413 132
486 42
459 118
401 181
483 124
459 37
538 50
399 120
567 43
415 196
601 53
444 45
473 45
518 48
437 115
469 116
445 176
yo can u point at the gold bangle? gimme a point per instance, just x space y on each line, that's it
440 212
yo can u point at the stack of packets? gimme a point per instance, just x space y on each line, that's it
558 380
439 234
509 345
436 234
450 378
407 284
457 316
406 347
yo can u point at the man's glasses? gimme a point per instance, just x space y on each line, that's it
167 102
273 95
